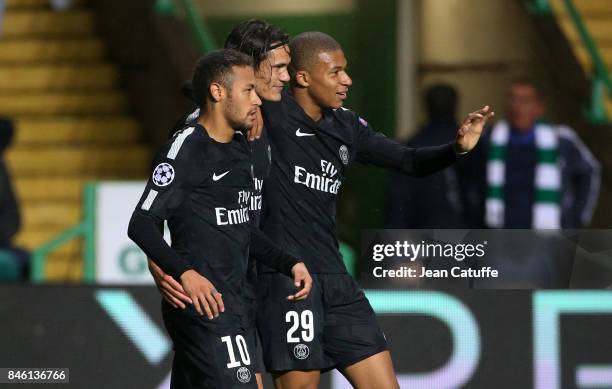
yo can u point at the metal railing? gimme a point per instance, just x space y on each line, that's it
189 10
85 230
601 81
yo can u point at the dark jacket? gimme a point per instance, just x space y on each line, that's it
10 220
434 201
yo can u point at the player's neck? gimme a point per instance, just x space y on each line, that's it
312 109
216 126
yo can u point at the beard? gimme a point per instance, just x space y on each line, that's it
236 120
239 125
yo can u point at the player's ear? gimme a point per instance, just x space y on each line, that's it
302 78
216 91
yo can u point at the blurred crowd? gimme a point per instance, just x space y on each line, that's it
525 172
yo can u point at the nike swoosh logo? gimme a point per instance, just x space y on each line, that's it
220 176
300 133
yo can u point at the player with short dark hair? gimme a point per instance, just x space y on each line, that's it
314 140
269 50
201 184
258 39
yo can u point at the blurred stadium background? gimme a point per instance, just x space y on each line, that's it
92 88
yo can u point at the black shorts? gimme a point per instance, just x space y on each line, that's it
252 314
210 353
334 328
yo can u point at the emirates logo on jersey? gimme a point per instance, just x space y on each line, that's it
324 182
301 351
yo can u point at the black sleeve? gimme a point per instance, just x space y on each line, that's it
375 148
172 181
145 232
265 251
10 219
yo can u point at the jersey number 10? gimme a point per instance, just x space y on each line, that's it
242 349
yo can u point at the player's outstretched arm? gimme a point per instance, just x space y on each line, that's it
375 148
471 129
206 299
169 288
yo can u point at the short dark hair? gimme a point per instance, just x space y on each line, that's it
305 49
255 38
441 101
526 81
216 66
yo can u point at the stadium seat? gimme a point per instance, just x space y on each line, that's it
597 17
9 266
72 120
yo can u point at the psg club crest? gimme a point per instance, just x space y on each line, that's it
343 152
243 374
163 174
301 351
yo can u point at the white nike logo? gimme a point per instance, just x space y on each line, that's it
220 176
300 133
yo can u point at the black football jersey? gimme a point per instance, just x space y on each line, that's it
309 162
203 189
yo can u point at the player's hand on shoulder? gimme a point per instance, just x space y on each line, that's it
171 290
302 281
206 299
471 129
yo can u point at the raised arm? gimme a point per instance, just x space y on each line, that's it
374 147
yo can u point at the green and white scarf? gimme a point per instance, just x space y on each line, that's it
546 212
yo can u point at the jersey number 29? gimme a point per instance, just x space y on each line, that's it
306 320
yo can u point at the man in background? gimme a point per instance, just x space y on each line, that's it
433 201
538 175
14 260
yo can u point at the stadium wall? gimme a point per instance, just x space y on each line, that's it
114 337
